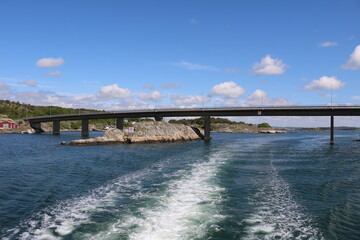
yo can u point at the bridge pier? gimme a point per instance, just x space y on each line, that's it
120 123
332 130
36 126
158 119
85 127
56 127
207 126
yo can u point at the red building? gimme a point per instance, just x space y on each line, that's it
8 124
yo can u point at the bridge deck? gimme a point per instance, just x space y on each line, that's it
218 112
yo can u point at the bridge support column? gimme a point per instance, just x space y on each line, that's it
36 126
158 119
56 127
332 130
120 123
207 126
85 127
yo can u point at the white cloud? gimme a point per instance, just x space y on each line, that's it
194 66
269 66
170 85
325 83
49 62
149 86
261 98
113 92
328 44
52 74
258 97
189 100
5 91
232 70
353 62
45 98
227 90
154 96
128 103
109 92
30 83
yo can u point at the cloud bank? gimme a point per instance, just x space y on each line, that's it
154 96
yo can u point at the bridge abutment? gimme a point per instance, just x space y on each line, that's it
85 127
36 126
56 127
207 127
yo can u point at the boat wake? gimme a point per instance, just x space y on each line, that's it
276 213
188 208
62 219
185 207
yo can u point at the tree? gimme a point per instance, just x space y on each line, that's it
264 125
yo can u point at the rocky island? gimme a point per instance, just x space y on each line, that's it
144 132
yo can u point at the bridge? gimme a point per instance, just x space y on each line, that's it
159 114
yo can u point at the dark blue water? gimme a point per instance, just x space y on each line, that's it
238 186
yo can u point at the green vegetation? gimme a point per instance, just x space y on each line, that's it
16 110
200 121
314 130
264 125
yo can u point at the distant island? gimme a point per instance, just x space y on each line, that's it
228 126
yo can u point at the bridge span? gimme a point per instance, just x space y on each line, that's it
159 114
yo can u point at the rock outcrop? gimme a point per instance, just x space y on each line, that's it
271 131
242 128
144 132
234 128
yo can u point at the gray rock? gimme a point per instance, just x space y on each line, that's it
145 132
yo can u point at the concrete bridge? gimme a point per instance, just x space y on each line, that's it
159 114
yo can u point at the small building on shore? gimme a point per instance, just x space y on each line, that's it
8 125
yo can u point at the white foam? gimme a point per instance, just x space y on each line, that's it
63 218
277 214
188 208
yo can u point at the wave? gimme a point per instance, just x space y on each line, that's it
189 208
185 204
276 213
62 219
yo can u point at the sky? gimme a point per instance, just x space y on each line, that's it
116 55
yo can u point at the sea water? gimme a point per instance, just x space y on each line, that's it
237 186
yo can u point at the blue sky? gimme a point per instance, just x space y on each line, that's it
117 55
